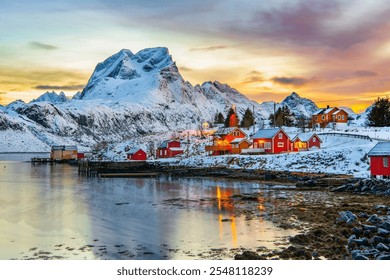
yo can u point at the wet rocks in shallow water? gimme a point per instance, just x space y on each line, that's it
347 216
249 255
370 240
365 186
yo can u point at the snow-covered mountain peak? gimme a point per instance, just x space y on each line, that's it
51 97
125 74
299 105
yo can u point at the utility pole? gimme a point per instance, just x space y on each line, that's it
274 114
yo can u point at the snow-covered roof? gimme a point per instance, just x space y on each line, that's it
318 111
266 133
338 111
64 148
328 110
304 137
176 149
238 140
164 144
380 149
225 130
133 151
292 135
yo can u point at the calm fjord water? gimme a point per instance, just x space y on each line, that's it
50 211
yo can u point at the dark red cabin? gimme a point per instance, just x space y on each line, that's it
136 154
380 160
271 141
168 149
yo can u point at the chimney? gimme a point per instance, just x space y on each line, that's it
327 106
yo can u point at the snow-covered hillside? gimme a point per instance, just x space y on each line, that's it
338 155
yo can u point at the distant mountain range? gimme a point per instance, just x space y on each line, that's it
128 95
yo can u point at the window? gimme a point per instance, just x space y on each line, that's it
314 139
323 117
280 135
316 118
338 117
267 145
161 152
280 144
385 162
255 145
236 133
342 117
165 152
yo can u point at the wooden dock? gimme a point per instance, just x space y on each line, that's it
117 168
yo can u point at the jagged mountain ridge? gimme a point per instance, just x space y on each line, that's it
127 95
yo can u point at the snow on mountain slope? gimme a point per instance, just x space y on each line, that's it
298 105
51 97
128 95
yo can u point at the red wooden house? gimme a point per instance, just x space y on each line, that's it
323 117
271 141
223 141
136 154
380 160
304 141
168 149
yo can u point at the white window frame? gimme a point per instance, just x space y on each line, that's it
267 145
314 139
280 144
385 162
343 117
280 135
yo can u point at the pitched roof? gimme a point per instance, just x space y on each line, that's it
304 137
63 147
318 111
164 144
226 130
380 149
133 151
238 140
328 110
266 133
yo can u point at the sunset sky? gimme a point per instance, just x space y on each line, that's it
334 52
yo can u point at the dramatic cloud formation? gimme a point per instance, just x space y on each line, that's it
289 80
335 49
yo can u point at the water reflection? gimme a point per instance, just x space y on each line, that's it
52 209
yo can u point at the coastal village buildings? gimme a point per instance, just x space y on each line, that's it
136 154
228 140
304 141
271 141
380 160
323 117
168 149
63 152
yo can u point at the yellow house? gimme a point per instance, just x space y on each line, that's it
63 152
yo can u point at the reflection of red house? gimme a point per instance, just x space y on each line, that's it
304 141
168 149
380 160
136 154
222 141
270 141
323 117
